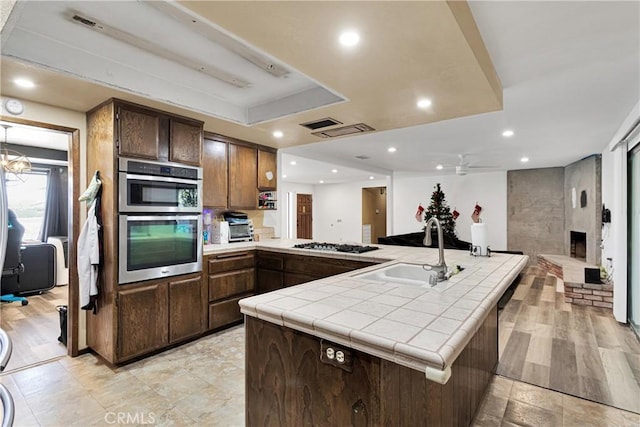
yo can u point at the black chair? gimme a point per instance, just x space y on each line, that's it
13 266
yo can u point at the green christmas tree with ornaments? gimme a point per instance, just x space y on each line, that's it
440 209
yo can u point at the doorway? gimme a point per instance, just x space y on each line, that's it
374 214
633 256
35 328
304 216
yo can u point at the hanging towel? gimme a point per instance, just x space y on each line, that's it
89 250
92 190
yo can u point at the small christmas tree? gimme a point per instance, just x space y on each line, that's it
440 209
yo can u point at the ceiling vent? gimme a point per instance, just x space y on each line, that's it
322 123
344 130
362 157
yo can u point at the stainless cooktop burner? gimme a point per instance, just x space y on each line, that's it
354 249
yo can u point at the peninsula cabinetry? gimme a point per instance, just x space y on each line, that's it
152 134
278 270
231 277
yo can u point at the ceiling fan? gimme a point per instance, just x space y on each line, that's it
464 167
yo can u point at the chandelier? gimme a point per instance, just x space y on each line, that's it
12 161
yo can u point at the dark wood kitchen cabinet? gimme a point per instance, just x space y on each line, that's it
269 271
132 320
143 319
152 134
186 320
214 171
243 177
155 314
231 277
267 164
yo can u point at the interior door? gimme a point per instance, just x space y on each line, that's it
304 217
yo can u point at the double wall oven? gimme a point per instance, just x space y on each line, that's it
160 220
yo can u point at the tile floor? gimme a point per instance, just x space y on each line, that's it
202 384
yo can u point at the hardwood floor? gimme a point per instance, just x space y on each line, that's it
34 328
578 350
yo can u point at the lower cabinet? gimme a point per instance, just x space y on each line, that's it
280 270
154 314
230 277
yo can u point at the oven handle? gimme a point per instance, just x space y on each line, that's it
161 179
161 217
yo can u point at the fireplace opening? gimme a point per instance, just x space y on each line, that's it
578 248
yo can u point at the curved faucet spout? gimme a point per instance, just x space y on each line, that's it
441 266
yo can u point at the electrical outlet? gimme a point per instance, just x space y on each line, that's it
336 355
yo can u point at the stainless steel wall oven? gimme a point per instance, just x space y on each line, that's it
160 220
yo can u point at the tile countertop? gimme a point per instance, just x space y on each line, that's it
418 327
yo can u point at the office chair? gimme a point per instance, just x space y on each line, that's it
13 259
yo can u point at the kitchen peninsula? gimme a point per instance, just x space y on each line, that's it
348 350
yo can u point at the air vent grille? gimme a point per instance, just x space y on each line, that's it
322 123
344 130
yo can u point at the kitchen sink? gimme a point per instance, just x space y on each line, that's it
405 273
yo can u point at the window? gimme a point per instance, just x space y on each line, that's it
28 199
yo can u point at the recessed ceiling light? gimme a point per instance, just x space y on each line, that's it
277 134
334 170
524 159
507 133
284 175
349 38
321 182
25 83
392 149
424 103
439 167
372 177
292 162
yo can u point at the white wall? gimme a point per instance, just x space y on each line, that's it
614 197
461 193
283 208
337 210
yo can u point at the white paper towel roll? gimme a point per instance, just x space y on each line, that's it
479 238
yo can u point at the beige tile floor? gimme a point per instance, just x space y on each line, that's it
202 384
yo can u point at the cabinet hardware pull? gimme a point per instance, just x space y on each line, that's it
222 256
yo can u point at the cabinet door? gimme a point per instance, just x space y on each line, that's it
268 280
185 142
214 170
138 131
185 308
267 163
243 177
143 319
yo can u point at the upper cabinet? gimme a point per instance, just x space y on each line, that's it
185 142
243 177
152 134
138 132
267 170
214 172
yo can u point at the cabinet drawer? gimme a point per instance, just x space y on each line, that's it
231 283
270 261
225 312
231 261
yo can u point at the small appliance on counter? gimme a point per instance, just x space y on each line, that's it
219 232
240 226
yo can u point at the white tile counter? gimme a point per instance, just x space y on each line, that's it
419 327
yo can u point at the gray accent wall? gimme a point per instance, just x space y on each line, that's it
536 211
584 175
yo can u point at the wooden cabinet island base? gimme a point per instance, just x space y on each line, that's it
288 385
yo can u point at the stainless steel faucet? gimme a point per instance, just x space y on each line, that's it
441 267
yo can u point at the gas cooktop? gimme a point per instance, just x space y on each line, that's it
353 249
